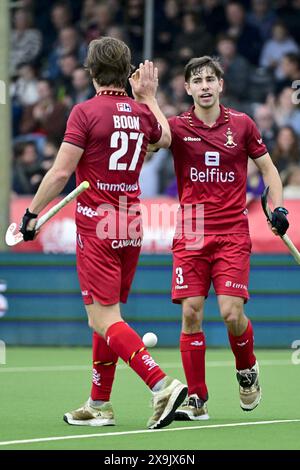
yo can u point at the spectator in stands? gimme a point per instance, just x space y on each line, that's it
175 21
266 125
69 43
50 150
285 111
26 42
262 16
166 28
213 16
87 16
291 182
134 18
290 71
275 48
191 6
193 41
286 150
163 67
247 37
27 173
117 32
81 86
289 11
48 116
236 71
24 89
103 19
61 17
177 91
52 17
63 84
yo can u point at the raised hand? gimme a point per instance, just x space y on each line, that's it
144 81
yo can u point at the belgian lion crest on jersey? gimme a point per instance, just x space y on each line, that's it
229 136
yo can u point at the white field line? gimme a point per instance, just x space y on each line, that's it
164 365
146 431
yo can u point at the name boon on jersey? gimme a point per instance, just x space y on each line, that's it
126 122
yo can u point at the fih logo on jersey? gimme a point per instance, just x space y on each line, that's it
124 107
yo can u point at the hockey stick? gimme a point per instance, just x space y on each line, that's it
264 202
12 238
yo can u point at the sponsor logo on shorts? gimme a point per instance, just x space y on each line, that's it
123 243
149 361
182 287
84 292
197 343
235 285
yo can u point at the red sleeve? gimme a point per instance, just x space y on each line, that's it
172 124
155 128
254 144
77 128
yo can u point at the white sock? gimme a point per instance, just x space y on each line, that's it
159 385
96 403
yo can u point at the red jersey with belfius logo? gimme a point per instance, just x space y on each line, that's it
114 131
211 166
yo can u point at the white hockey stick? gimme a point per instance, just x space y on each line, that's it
264 202
12 238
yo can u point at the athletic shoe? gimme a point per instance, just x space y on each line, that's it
192 409
250 391
165 402
89 415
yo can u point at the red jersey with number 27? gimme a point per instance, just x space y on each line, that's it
211 166
114 131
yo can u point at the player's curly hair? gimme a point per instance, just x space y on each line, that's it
197 63
109 62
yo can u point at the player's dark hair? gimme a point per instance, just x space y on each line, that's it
196 64
109 62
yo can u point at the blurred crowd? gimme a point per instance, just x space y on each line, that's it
257 41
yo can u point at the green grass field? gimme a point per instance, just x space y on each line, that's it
37 385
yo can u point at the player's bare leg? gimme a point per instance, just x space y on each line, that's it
168 393
192 347
240 335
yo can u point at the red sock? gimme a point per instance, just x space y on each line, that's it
192 347
104 366
242 348
128 345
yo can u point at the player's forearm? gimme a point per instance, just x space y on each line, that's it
272 179
153 106
50 187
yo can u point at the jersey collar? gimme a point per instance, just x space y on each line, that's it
195 122
110 92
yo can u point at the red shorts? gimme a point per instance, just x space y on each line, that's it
223 259
106 268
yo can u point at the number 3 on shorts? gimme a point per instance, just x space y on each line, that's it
179 278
